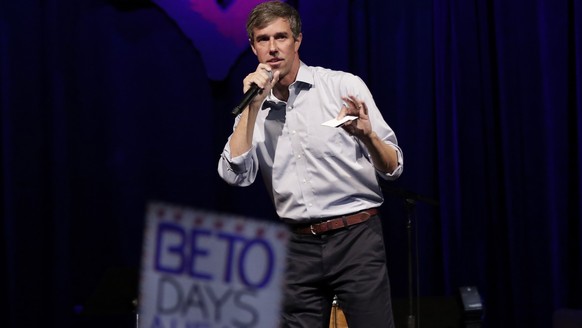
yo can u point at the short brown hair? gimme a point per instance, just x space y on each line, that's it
266 12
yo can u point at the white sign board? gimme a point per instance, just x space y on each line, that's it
206 270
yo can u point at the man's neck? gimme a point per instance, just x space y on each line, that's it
281 89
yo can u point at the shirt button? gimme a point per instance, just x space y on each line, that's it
309 204
298 156
293 132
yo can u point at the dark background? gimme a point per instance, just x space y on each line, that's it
107 105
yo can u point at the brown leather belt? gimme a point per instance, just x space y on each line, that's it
335 222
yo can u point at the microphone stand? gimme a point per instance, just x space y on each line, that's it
410 210
410 200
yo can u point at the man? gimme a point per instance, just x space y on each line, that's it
322 180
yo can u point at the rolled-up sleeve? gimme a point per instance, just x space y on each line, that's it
238 171
398 170
356 86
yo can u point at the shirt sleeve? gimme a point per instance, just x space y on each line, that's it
398 170
357 87
238 171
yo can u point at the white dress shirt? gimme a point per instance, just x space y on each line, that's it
312 171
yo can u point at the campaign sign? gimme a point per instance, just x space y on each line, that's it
207 270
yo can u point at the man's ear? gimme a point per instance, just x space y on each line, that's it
298 41
253 46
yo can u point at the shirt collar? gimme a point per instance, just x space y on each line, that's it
304 76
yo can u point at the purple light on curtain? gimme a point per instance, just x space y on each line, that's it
216 29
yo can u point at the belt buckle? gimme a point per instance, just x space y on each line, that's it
312 231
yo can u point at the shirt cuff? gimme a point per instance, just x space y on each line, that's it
398 170
237 164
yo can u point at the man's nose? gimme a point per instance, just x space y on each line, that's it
272 45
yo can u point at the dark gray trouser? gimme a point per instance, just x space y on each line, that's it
349 263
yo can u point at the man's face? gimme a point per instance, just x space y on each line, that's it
275 45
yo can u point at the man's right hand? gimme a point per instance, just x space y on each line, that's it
264 78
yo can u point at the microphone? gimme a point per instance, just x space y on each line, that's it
249 95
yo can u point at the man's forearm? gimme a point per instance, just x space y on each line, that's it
384 156
242 137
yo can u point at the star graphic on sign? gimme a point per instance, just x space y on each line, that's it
198 221
281 235
218 225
